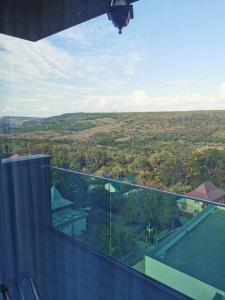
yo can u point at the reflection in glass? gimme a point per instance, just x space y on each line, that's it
166 236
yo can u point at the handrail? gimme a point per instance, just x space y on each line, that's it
139 186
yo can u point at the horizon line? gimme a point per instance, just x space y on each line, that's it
115 112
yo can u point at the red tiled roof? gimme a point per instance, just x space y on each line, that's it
208 191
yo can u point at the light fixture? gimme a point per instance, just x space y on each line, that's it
120 13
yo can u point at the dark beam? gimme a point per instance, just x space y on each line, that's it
36 19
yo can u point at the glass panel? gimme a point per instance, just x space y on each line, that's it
142 219
80 208
176 240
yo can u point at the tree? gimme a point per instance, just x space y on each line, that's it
143 206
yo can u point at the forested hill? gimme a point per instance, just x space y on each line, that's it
171 150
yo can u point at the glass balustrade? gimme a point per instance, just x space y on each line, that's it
176 240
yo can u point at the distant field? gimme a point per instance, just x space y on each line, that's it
121 127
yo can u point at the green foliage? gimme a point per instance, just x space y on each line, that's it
174 151
123 240
144 206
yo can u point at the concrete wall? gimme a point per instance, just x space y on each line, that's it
61 267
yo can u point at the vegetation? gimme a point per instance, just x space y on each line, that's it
174 151
117 221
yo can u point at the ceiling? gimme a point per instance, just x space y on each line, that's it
36 19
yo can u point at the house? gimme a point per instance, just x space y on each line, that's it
64 217
206 191
190 206
110 188
131 192
57 200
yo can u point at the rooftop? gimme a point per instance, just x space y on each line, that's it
198 250
208 191
57 200
34 20
67 215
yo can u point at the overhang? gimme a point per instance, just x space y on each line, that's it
36 19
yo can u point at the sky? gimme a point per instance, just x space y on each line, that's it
171 57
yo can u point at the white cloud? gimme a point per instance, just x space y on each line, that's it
41 74
42 79
44 109
179 82
140 94
8 109
90 33
22 60
137 101
103 103
140 101
222 91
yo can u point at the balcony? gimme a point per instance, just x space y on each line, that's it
173 239
69 235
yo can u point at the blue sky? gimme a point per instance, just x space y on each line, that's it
170 57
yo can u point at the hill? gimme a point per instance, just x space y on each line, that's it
172 150
8 123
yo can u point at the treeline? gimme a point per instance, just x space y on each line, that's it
173 151
170 169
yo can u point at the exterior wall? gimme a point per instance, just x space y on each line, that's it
67 228
75 227
79 226
190 206
24 205
2 248
61 267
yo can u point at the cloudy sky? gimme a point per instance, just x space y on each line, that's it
171 57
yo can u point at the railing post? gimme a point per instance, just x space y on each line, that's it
1 224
